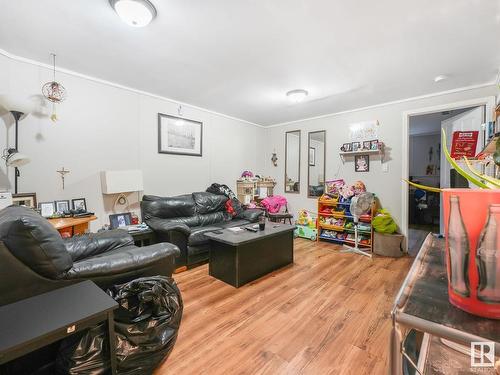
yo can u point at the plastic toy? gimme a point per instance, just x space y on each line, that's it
306 226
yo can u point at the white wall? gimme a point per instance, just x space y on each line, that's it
106 127
419 146
387 185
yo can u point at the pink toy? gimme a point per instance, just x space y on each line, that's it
273 204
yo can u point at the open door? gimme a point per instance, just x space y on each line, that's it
466 121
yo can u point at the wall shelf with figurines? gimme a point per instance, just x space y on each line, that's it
373 147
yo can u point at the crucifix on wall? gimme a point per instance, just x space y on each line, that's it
63 172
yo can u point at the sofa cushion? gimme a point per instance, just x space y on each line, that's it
191 221
167 207
34 241
197 236
213 218
208 202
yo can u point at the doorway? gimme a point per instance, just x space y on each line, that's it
427 165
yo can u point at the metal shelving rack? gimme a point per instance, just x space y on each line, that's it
422 305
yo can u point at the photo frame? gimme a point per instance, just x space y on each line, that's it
356 146
367 145
120 220
62 206
79 204
374 145
179 136
47 209
362 163
346 147
312 156
25 199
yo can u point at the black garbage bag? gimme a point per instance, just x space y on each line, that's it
85 353
146 323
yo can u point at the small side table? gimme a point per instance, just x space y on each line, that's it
70 226
38 321
144 237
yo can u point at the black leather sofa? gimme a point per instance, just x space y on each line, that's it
34 259
183 220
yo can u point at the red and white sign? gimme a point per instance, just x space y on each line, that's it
464 144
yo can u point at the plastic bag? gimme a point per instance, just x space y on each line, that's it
384 223
146 323
85 353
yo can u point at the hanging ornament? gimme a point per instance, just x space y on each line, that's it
54 91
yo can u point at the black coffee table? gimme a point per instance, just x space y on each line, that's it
238 258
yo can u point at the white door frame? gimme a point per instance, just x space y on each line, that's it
488 102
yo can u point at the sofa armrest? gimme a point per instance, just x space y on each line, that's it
91 244
121 261
165 226
251 214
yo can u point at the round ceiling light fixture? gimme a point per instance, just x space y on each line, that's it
136 13
296 96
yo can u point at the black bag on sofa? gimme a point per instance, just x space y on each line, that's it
146 326
219 189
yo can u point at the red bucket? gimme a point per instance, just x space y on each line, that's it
474 205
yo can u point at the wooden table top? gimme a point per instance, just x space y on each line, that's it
65 222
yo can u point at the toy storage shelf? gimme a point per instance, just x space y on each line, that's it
325 208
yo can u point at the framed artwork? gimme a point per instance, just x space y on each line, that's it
367 145
62 206
79 204
179 136
312 156
47 209
361 163
25 199
374 144
347 147
120 220
356 146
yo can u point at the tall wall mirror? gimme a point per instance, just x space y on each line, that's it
316 164
292 161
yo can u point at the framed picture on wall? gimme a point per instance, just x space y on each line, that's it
312 156
361 163
25 199
179 136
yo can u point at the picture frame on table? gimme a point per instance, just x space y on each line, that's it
179 136
312 156
79 204
62 206
120 220
47 209
374 145
25 199
362 163
367 145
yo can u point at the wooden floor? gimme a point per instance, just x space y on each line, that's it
329 313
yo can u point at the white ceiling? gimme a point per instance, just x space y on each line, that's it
241 57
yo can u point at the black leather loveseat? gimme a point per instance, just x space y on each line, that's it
34 259
183 220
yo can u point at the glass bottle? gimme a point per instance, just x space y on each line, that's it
458 252
488 258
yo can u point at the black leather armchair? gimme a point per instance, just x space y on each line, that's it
34 259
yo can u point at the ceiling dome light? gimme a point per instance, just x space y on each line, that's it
136 13
296 96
